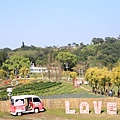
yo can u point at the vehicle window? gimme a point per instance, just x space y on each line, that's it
20 100
12 101
36 100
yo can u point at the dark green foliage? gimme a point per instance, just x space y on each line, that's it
3 57
102 53
97 40
31 88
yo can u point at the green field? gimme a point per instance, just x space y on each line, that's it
41 88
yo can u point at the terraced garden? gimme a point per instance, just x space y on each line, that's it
48 90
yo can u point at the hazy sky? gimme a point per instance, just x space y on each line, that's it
57 22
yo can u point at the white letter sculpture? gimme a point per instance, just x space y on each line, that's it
68 111
97 106
86 105
111 108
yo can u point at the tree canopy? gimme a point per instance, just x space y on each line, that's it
101 53
68 59
15 63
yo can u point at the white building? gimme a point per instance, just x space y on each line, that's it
38 69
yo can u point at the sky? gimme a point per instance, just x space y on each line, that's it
57 22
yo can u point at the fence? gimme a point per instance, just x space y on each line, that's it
60 103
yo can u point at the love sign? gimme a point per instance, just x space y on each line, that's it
84 107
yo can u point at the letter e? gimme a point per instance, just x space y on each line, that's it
111 108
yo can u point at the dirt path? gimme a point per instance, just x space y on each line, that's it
84 88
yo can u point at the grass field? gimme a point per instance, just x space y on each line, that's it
90 116
60 115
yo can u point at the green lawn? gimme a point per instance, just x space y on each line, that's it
79 116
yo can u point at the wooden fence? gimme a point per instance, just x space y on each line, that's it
60 103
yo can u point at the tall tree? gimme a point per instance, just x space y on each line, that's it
115 76
15 63
67 59
91 76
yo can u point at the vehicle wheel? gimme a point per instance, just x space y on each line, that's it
36 110
19 113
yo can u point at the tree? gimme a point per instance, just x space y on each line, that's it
104 78
73 75
82 45
23 45
74 44
6 49
15 63
110 40
67 59
69 45
80 68
94 41
86 54
118 37
91 76
115 76
3 57
40 62
24 71
2 74
99 78
97 40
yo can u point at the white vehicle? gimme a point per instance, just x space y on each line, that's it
25 104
